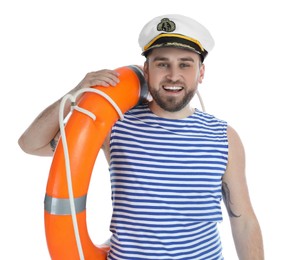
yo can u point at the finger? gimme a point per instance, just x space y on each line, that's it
104 78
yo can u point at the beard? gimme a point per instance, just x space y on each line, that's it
170 103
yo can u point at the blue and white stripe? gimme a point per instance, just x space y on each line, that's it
166 186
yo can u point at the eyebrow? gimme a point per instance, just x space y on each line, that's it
162 58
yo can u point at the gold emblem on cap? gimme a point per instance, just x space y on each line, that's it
166 25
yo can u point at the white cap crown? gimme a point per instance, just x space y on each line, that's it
176 30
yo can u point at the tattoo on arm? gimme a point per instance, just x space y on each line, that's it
54 142
227 200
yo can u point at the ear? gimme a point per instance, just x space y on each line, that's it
201 73
145 69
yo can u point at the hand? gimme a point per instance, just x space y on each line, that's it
103 78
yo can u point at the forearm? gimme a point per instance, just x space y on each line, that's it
45 127
36 138
248 241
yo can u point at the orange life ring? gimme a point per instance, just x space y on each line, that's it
84 137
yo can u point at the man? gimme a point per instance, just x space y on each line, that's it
170 164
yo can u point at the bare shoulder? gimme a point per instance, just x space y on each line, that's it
233 136
234 185
236 153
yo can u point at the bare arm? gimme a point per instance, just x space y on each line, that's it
43 133
244 224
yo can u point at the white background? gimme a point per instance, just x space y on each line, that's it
47 47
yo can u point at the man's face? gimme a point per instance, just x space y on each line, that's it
173 75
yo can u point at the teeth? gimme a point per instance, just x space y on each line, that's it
172 88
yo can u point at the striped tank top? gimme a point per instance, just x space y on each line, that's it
166 186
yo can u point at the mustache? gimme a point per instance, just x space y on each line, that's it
171 82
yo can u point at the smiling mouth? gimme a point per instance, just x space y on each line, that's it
172 88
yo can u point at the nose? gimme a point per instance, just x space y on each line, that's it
173 74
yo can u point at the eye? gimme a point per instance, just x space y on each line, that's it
184 65
162 65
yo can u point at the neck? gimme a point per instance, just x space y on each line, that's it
184 113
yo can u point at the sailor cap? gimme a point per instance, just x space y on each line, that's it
178 31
